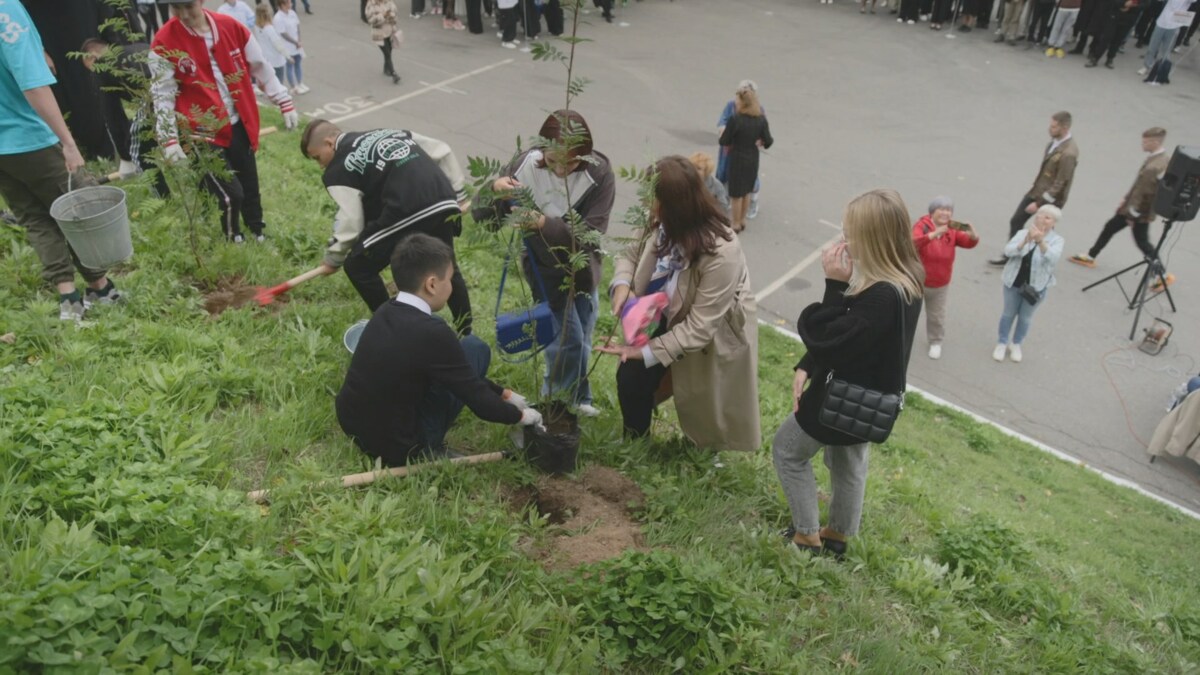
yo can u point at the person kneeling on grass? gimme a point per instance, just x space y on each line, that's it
410 375
705 350
388 184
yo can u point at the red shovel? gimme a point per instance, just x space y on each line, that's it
266 296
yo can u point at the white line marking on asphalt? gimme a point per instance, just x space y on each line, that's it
937 400
826 222
423 90
797 269
447 90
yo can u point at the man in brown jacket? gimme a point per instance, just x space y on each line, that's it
1136 209
1053 181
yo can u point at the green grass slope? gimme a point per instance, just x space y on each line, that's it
127 544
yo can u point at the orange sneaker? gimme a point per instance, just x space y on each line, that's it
1158 287
1083 259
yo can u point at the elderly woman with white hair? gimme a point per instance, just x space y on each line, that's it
937 237
1032 254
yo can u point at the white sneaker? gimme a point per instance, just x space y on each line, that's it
1014 353
1142 70
71 311
998 352
508 45
302 88
935 351
588 410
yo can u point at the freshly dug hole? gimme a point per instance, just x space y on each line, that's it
592 513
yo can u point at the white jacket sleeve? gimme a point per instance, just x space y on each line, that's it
442 154
347 225
164 89
265 74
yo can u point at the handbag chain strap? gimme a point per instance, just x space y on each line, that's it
903 348
537 276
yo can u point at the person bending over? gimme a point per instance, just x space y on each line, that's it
410 375
388 185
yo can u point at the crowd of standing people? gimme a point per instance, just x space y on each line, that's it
1099 29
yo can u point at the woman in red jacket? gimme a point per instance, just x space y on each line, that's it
936 237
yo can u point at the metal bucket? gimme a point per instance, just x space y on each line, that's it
95 221
353 335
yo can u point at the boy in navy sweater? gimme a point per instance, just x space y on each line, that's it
410 375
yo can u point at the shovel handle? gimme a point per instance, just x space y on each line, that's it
296 281
368 477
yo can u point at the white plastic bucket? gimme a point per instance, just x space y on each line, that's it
95 221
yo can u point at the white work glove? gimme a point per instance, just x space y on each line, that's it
128 169
516 399
291 118
531 418
174 154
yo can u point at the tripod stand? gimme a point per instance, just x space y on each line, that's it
1153 269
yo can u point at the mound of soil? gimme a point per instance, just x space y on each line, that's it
229 293
592 514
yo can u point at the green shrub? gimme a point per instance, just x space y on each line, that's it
656 609
979 547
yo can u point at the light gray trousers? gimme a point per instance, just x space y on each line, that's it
792 452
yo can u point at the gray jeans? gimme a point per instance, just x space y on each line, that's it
793 451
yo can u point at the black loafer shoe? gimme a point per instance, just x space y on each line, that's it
835 548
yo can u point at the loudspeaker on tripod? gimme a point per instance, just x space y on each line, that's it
1178 196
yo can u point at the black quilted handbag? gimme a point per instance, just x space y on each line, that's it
860 412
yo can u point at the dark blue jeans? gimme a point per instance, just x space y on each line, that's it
440 407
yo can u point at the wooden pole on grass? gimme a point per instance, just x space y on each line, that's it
368 477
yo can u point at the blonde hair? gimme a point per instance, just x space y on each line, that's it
746 103
876 224
703 163
262 15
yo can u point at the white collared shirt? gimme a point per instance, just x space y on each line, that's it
1055 144
411 300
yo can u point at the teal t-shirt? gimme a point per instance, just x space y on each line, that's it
22 67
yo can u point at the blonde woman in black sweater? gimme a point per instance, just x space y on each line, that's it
872 276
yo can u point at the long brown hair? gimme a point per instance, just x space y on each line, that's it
688 212
876 225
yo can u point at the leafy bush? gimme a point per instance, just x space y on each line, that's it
979 547
656 609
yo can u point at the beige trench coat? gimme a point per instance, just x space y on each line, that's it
711 345
1178 434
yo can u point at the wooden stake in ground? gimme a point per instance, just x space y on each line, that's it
368 477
